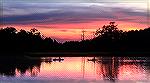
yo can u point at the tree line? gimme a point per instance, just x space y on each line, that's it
108 38
12 40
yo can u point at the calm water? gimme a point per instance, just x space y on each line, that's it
76 70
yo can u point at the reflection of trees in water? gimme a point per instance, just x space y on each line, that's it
8 66
109 66
146 64
20 66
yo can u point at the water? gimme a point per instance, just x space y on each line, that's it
76 70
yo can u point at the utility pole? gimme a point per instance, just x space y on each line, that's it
83 35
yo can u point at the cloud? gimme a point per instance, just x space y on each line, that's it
73 1
66 13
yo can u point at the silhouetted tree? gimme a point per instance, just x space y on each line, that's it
108 38
109 31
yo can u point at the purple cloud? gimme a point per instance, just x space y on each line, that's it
55 13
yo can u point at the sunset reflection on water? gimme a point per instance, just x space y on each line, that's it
85 68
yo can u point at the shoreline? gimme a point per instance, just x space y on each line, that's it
77 54
88 54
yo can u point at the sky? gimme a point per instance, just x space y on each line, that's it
64 20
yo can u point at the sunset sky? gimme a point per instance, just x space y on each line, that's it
65 19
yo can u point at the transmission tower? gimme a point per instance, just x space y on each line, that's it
83 35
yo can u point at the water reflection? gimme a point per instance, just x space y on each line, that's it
16 67
88 68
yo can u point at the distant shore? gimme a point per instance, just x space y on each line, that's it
76 54
87 54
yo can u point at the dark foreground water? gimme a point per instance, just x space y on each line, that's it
76 70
